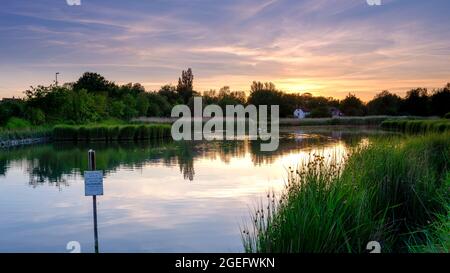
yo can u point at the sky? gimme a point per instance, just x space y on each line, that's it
325 47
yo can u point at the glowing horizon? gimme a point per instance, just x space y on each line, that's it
324 47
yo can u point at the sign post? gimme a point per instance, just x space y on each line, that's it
93 186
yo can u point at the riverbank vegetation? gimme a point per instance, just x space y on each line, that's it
417 126
92 98
110 132
394 190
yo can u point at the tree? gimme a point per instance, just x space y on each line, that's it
36 116
170 93
352 106
94 82
130 110
416 102
440 101
384 103
11 108
259 86
185 86
142 104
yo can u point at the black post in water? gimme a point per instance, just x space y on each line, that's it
91 163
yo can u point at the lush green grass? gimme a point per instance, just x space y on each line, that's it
417 126
436 236
384 192
110 132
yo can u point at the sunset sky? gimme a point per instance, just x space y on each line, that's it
326 47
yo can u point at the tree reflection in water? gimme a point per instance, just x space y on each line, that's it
56 163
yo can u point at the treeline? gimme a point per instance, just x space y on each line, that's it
93 98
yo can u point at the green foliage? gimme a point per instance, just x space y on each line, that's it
434 238
447 116
417 126
11 108
93 98
185 86
17 123
384 191
93 82
36 116
111 132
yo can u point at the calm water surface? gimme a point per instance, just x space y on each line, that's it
159 197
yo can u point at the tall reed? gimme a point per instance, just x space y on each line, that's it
111 132
383 192
417 126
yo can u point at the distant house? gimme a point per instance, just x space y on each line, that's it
301 113
335 113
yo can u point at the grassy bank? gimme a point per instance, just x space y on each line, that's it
25 133
19 129
388 191
110 132
417 126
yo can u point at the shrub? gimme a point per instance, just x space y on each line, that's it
17 123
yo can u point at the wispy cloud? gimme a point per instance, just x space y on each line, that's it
326 47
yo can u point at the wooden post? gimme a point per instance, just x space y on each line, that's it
91 163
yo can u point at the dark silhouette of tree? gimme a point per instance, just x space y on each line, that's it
170 93
440 101
384 103
417 102
11 108
352 106
93 82
259 86
185 86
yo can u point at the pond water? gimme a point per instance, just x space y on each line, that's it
158 197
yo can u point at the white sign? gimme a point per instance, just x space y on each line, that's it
93 183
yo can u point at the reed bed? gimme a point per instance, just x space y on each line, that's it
25 133
417 126
111 132
386 191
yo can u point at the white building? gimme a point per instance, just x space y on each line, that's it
301 113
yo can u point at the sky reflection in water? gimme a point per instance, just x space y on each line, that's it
159 197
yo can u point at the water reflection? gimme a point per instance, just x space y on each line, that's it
158 197
57 163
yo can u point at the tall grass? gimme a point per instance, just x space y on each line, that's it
25 133
383 192
436 236
417 126
110 132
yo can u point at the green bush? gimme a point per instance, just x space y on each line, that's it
17 123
